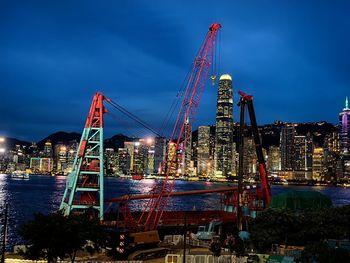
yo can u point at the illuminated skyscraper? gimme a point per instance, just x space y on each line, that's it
48 149
299 153
123 161
224 127
203 161
344 126
159 153
287 147
317 164
249 157
274 160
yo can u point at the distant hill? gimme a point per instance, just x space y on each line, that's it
117 141
60 136
10 143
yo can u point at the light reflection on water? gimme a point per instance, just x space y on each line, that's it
44 193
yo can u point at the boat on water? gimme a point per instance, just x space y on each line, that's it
20 175
137 177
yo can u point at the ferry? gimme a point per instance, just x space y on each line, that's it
20 175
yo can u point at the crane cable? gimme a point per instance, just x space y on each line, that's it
175 103
133 117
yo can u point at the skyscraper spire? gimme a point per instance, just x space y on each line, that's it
346 103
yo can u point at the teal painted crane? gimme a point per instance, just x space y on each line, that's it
84 185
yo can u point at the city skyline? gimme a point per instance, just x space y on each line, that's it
56 55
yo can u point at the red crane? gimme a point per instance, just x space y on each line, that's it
263 192
182 129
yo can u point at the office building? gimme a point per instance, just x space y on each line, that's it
203 149
287 147
224 127
344 128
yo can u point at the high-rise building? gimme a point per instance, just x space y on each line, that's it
203 148
60 157
317 164
111 161
148 147
123 161
48 149
172 164
249 158
344 128
299 153
41 165
159 154
287 147
332 142
309 152
274 159
140 157
224 127
235 157
130 148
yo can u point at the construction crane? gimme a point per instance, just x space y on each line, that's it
183 124
84 186
264 193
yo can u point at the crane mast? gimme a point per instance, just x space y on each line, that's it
182 129
84 185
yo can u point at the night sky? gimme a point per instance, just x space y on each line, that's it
293 56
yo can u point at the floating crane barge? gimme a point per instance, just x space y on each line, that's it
85 184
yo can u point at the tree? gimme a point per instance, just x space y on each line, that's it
54 235
275 226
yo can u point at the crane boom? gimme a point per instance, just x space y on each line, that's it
248 100
184 121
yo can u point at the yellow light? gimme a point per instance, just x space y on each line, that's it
2 150
2 139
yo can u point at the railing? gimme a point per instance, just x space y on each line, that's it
178 258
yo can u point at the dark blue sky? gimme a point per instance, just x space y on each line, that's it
293 56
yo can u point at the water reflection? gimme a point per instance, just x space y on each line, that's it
44 193
3 187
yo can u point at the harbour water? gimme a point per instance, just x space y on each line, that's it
43 194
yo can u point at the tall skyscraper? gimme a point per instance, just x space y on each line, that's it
274 160
318 164
299 153
287 147
130 148
48 149
249 158
159 154
309 151
344 128
224 127
203 164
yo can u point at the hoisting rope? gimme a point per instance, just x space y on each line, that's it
132 116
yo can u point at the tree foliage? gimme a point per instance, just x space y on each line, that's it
54 235
305 228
